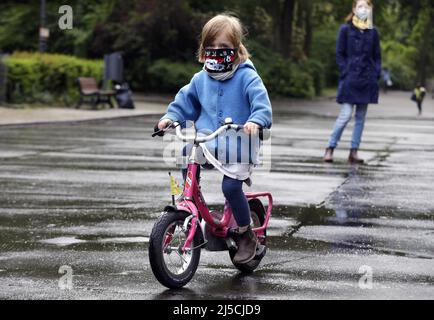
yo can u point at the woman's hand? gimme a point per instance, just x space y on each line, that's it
164 124
251 128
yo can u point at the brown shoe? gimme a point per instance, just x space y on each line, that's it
328 156
247 243
354 158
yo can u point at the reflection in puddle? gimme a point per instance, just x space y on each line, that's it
125 240
62 241
341 215
66 241
351 229
177 294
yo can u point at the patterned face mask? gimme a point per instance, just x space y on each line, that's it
219 60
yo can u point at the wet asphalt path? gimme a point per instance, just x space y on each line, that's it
85 195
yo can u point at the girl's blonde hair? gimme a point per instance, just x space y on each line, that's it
351 15
224 23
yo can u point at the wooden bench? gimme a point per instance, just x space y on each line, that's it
89 91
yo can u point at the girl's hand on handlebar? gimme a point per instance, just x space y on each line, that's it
251 128
161 127
163 124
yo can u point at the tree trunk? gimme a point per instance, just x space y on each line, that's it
300 7
425 54
308 26
286 27
274 9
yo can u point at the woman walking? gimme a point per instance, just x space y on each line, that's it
418 96
358 56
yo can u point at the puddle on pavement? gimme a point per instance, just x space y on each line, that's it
346 237
62 241
25 217
66 241
104 229
71 228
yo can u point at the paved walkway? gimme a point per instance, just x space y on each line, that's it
394 104
86 195
144 106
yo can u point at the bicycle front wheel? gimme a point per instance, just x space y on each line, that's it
172 267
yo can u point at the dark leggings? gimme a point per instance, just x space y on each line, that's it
419 106
233 192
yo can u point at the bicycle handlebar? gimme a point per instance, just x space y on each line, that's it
210 137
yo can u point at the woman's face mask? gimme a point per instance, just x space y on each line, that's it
362 12
219 60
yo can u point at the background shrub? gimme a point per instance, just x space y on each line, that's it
167 76
48 78
398 59
284 77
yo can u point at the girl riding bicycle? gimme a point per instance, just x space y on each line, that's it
228 86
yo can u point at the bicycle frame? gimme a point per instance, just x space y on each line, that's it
194 204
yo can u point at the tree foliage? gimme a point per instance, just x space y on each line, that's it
300 35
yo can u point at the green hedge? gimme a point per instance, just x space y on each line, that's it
47 78
281 77
287 79
167 76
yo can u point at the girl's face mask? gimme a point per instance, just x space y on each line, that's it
219 60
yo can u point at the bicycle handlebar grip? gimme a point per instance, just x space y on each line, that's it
160 132
264 134
157 132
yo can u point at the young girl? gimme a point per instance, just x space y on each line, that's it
228 86
358 56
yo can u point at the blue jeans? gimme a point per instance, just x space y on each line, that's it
342 121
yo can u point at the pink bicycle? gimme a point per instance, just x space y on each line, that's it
184 229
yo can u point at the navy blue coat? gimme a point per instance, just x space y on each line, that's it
358 56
